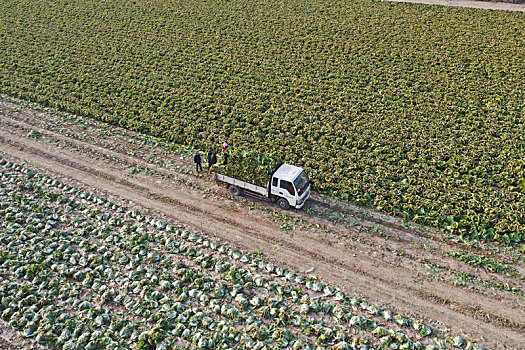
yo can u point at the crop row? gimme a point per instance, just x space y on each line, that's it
423 123
79 272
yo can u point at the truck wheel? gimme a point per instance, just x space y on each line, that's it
236 191
283 204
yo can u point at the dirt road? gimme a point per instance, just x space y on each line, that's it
388 262
485 5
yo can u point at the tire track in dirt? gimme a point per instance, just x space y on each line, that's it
406 235
429 249
366 278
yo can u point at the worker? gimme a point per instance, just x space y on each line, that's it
197 160
224 153
210 153
214 158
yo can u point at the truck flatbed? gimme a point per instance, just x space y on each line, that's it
242 184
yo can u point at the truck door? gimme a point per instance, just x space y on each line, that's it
287 190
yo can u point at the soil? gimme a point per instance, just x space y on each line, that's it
388 262
485 5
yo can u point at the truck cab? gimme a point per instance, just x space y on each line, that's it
289 186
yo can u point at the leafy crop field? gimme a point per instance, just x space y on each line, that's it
415 109
455 286
80 272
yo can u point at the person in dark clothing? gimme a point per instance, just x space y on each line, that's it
225 158
213 159
198 161
210 154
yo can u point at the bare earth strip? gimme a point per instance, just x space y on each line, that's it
351 257
485 5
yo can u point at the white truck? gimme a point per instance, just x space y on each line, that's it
289 186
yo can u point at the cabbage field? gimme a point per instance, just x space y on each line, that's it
414 109
80 272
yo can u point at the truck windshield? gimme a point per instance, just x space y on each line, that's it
301 183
